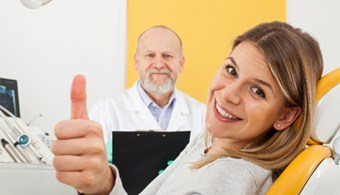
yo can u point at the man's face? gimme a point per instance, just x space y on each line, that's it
159 60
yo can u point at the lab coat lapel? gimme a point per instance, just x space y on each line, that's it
141 111
179 114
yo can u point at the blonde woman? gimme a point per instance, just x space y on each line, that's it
259 112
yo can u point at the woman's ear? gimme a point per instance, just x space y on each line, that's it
287 118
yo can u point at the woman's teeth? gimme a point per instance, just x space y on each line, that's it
224 114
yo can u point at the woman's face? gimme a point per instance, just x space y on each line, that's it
244 99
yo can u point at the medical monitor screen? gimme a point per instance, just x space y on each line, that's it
9 96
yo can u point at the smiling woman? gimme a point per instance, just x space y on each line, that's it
262 107
259 112
243 86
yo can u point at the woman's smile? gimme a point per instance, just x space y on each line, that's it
224 115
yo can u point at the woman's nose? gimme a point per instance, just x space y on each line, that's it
232 93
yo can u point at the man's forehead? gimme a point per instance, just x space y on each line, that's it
160 40
159 46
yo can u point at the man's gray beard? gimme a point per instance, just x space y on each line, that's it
148 85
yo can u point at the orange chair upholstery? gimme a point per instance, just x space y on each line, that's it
316 170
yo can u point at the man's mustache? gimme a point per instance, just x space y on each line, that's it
161 71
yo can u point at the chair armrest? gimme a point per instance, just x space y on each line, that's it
295 176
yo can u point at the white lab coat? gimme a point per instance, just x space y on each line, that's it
127 112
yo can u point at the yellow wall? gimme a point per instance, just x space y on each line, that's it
207 28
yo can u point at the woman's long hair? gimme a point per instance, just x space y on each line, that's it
295 60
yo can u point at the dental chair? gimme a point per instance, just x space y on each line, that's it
316 169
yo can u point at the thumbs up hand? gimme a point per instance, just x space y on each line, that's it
78 98
80 156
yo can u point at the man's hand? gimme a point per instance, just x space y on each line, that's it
80 156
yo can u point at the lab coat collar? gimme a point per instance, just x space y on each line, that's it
147 100
179 112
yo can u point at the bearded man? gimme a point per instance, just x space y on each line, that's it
153 102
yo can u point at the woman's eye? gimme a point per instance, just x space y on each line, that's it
231 70
259 92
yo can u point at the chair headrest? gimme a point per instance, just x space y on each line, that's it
327 116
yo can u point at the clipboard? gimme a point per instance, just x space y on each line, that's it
140 155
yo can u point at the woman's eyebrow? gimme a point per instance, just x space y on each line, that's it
232 60
265 83
262 82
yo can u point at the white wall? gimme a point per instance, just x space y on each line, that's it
43 49
322 20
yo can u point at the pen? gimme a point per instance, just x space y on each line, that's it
10 151
23 140
20 153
